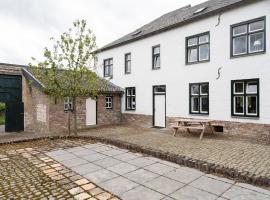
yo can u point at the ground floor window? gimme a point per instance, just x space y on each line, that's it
199 98
245 98
131 98
68 104
108 102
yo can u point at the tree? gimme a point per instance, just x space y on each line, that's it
67 68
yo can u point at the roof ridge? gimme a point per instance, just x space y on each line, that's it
174 19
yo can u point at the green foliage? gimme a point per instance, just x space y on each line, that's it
2 107
66 70
2 119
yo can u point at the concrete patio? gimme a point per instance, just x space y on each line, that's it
133 176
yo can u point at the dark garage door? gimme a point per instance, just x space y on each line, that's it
11 94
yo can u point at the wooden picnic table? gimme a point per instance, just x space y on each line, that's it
193 124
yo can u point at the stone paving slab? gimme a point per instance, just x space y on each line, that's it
27 172
144 177
237 159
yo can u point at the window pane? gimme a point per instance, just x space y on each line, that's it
160 89
192 55
128 102
204 104
239 105
252 87
240 45
239 88
204 39
133 103
156 61
256 26
133 92
204 52
106 70
256 42
128 66
252 105
194 89
156 50
240 30
106 62
193 41
195 104
204 89
111 61
110 70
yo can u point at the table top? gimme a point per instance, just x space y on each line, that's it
194 120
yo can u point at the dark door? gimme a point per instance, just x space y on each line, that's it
14 117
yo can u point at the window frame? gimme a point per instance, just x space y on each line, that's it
68 104
130 96
104 68
126 63
248 33
107 107
245 95
199 96
197 47
154 55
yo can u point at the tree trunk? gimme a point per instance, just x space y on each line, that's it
69 129
75 116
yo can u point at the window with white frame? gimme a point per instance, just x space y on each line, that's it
198 48
245 98
68 104
248 37
156 57
128 63
130 98
108 102
108 67
199 98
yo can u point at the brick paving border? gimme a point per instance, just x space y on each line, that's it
207 167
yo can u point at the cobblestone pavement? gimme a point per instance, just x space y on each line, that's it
243 156
26 172
134 176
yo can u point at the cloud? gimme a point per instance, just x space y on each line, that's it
27 25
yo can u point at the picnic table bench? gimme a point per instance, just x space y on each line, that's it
192 124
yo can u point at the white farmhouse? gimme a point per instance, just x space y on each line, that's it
210 61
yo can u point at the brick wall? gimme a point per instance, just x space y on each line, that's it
109 116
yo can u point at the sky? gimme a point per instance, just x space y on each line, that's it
28 25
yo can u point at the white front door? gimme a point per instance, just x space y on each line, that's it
91 112
160 106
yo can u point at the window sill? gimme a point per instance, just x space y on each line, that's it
247 55
154 69
245 117
198 62
127 73
199 114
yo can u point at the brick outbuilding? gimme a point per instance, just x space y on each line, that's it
44 114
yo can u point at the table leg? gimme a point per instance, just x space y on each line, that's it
211 127
201 137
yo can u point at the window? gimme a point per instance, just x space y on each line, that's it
131 98
68 104
198 48
108 67
156 57
248 37
245 98
108 102
199 98
128 63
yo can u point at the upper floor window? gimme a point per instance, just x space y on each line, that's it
128 63
156 57
130 98
199 98
198 48
248 37
108 67
245 98
108 102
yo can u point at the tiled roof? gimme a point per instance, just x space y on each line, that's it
105 85
177 18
